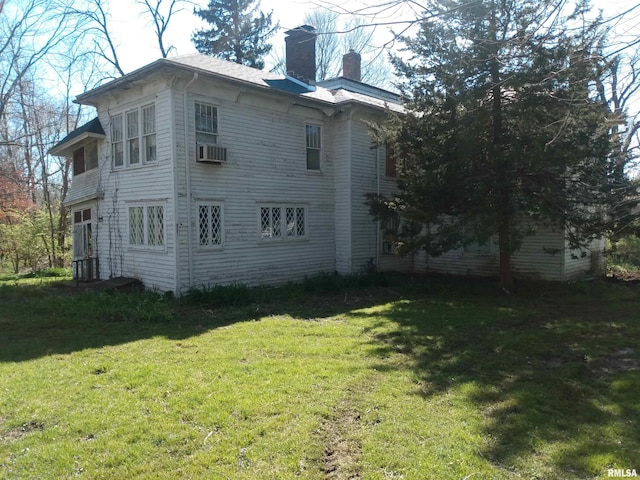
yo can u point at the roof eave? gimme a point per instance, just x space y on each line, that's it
66 148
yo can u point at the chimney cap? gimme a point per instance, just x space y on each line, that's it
301 29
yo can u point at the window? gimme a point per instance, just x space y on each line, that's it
391 243
133 137
313 147
283 222
210 225
85 158
117 147
206 123
82 237
133 140
390 167
477 248
149 133
146 225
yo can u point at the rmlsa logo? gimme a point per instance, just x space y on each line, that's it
622 473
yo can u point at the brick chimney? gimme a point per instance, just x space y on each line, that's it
351 65
301 53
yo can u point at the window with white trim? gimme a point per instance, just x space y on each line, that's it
133 137
314 143
284 222
146 226
149 133
117 147
206 121
210 224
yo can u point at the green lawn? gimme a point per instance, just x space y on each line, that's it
423 378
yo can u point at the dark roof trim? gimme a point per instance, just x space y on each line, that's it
92 129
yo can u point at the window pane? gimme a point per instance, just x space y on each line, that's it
390 162
203 217
206 118
118 154
136 225
150 148
313 159
149 119
91 153
216 225
116 140
132 124
276 221
300 222
155 221
265 222
134 151
291 222
116 128
313 136
78 161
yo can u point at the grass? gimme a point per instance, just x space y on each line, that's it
382 378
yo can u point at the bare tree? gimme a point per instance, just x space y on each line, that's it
28 34
160 17
97 14
336 38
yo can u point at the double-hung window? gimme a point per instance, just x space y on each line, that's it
314 143
210 224
206 123
284 222
149 133
117 147
146 226
133 137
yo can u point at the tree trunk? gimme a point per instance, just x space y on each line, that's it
504 245
502 177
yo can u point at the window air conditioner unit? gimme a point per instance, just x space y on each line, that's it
210 153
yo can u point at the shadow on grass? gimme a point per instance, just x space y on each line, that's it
555 378
36 321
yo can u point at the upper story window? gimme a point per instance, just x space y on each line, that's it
314 143
133 137
206 117
390 168
85 158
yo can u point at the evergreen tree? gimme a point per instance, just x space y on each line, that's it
239 31
503 133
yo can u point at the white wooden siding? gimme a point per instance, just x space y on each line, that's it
266 163
341 151
364 234
145 183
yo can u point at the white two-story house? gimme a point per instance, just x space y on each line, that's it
197 171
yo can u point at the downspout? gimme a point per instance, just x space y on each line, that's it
378 195
350 200
188 177
176 231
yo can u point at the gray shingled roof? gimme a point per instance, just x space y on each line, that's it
231 71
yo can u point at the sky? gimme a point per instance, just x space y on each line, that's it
131 29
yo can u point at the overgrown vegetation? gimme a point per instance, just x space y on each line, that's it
383 377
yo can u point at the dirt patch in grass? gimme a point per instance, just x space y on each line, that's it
19 432
623 360
343 452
